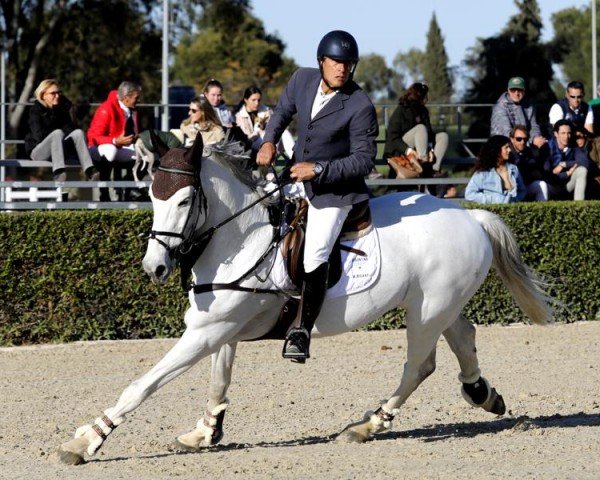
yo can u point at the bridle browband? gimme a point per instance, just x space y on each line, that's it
190 249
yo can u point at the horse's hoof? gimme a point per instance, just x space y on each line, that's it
350 436
499 408
180 447
66 457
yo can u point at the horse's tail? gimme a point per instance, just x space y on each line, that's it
523 283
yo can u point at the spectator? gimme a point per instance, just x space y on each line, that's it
529 165
513 109
584 140
594 104
495 180
213 91
565 166
573 108
202 120
252 117
52 134
114 130
410 133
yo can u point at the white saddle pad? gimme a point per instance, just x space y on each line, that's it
358 272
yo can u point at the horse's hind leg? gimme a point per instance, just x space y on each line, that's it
194 344
420 363
475 389
209 429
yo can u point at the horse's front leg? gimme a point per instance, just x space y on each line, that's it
196 343
209 429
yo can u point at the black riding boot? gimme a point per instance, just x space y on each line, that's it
314 288
104 167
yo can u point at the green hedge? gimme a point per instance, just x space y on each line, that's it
69 275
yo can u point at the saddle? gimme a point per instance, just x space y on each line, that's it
357 224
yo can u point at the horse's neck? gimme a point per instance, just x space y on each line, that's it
238 244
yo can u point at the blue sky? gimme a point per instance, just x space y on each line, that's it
389 26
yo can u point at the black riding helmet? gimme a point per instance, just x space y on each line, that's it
338 45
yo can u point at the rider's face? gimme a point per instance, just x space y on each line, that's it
335 73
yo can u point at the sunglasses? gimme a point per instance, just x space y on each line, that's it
193 110
516 90
576 96
54 94
521 139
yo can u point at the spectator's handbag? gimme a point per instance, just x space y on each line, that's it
405 166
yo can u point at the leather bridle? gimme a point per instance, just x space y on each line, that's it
191 246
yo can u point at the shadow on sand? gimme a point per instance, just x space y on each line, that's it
429 433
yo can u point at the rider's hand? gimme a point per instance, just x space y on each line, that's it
303 171
266 154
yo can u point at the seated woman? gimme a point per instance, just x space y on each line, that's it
52 134
252 117
409 132
202 120
495 179
213 91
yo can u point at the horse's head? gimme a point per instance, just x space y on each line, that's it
178 203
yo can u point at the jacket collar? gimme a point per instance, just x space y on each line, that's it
336 103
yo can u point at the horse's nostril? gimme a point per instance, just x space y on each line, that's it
160 270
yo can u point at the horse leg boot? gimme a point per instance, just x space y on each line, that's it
314 288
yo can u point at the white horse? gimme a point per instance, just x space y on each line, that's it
434 256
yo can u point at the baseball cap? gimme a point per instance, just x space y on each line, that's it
516 82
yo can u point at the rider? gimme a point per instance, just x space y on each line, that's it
335 150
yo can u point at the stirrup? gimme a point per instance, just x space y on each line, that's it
296 345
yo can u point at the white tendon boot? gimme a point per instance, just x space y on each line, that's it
372 423
88 439
208 431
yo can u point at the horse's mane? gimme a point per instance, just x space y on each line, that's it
234 156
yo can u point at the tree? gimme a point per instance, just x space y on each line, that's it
375 77
409 65
89 45
435 65
572 44
516 51
233 46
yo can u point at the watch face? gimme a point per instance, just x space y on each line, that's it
317 168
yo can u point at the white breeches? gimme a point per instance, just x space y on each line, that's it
323 226
113 154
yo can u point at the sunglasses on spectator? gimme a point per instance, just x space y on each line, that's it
193 110
515 90
54 94
576 96
521 139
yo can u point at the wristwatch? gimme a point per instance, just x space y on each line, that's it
318 169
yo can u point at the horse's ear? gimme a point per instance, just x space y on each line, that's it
195 153
158 145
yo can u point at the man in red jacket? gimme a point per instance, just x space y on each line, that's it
114 130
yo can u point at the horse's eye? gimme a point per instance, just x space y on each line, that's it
185 202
